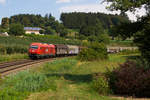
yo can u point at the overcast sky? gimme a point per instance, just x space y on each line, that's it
55 7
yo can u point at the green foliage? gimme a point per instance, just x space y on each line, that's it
142 28
64 33
12 57
125 30
49 31
142 38
76 20
48 23
11 94
101 85
5 23
126 5
16 29
104 38
59 66
124 52
124 43
63 79
19 86
31 82
96 51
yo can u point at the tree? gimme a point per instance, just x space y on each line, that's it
5 23
104 38
141 33
49 31
16 29
126 5
64 33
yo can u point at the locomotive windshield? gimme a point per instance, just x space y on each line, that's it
34 47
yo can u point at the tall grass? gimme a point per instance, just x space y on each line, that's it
12 57
62 79
18 87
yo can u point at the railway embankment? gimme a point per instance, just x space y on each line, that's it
61 79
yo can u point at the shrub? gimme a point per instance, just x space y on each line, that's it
100 84
95 51
130 79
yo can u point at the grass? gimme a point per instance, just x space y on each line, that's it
121 43
12 57
64 79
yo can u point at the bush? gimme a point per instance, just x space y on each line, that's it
130 79
100 84
95 51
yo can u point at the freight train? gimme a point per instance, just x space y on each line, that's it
44 50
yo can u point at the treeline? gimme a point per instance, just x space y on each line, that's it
48 23
84 26
76 20
93 26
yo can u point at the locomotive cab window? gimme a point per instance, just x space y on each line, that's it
34 47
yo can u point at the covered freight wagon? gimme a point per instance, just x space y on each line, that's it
61 49
73 50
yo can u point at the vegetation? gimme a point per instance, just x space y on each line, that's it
91 26
11 45
47 23
13 57
139 29
95 51
16 29
130 79
76 20
101 85
121 43
62 79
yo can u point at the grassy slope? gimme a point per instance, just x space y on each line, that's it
73 79
12 57
124 43
65 79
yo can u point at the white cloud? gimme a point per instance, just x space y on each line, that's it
100 8
87 8
63 1
2 1
137 13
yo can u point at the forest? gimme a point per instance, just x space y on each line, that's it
81 25
76 20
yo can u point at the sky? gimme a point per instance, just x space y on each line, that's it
55 7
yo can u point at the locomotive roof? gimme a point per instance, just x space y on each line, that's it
43 44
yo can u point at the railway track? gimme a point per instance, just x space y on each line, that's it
7 67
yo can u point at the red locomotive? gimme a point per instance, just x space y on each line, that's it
41 50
